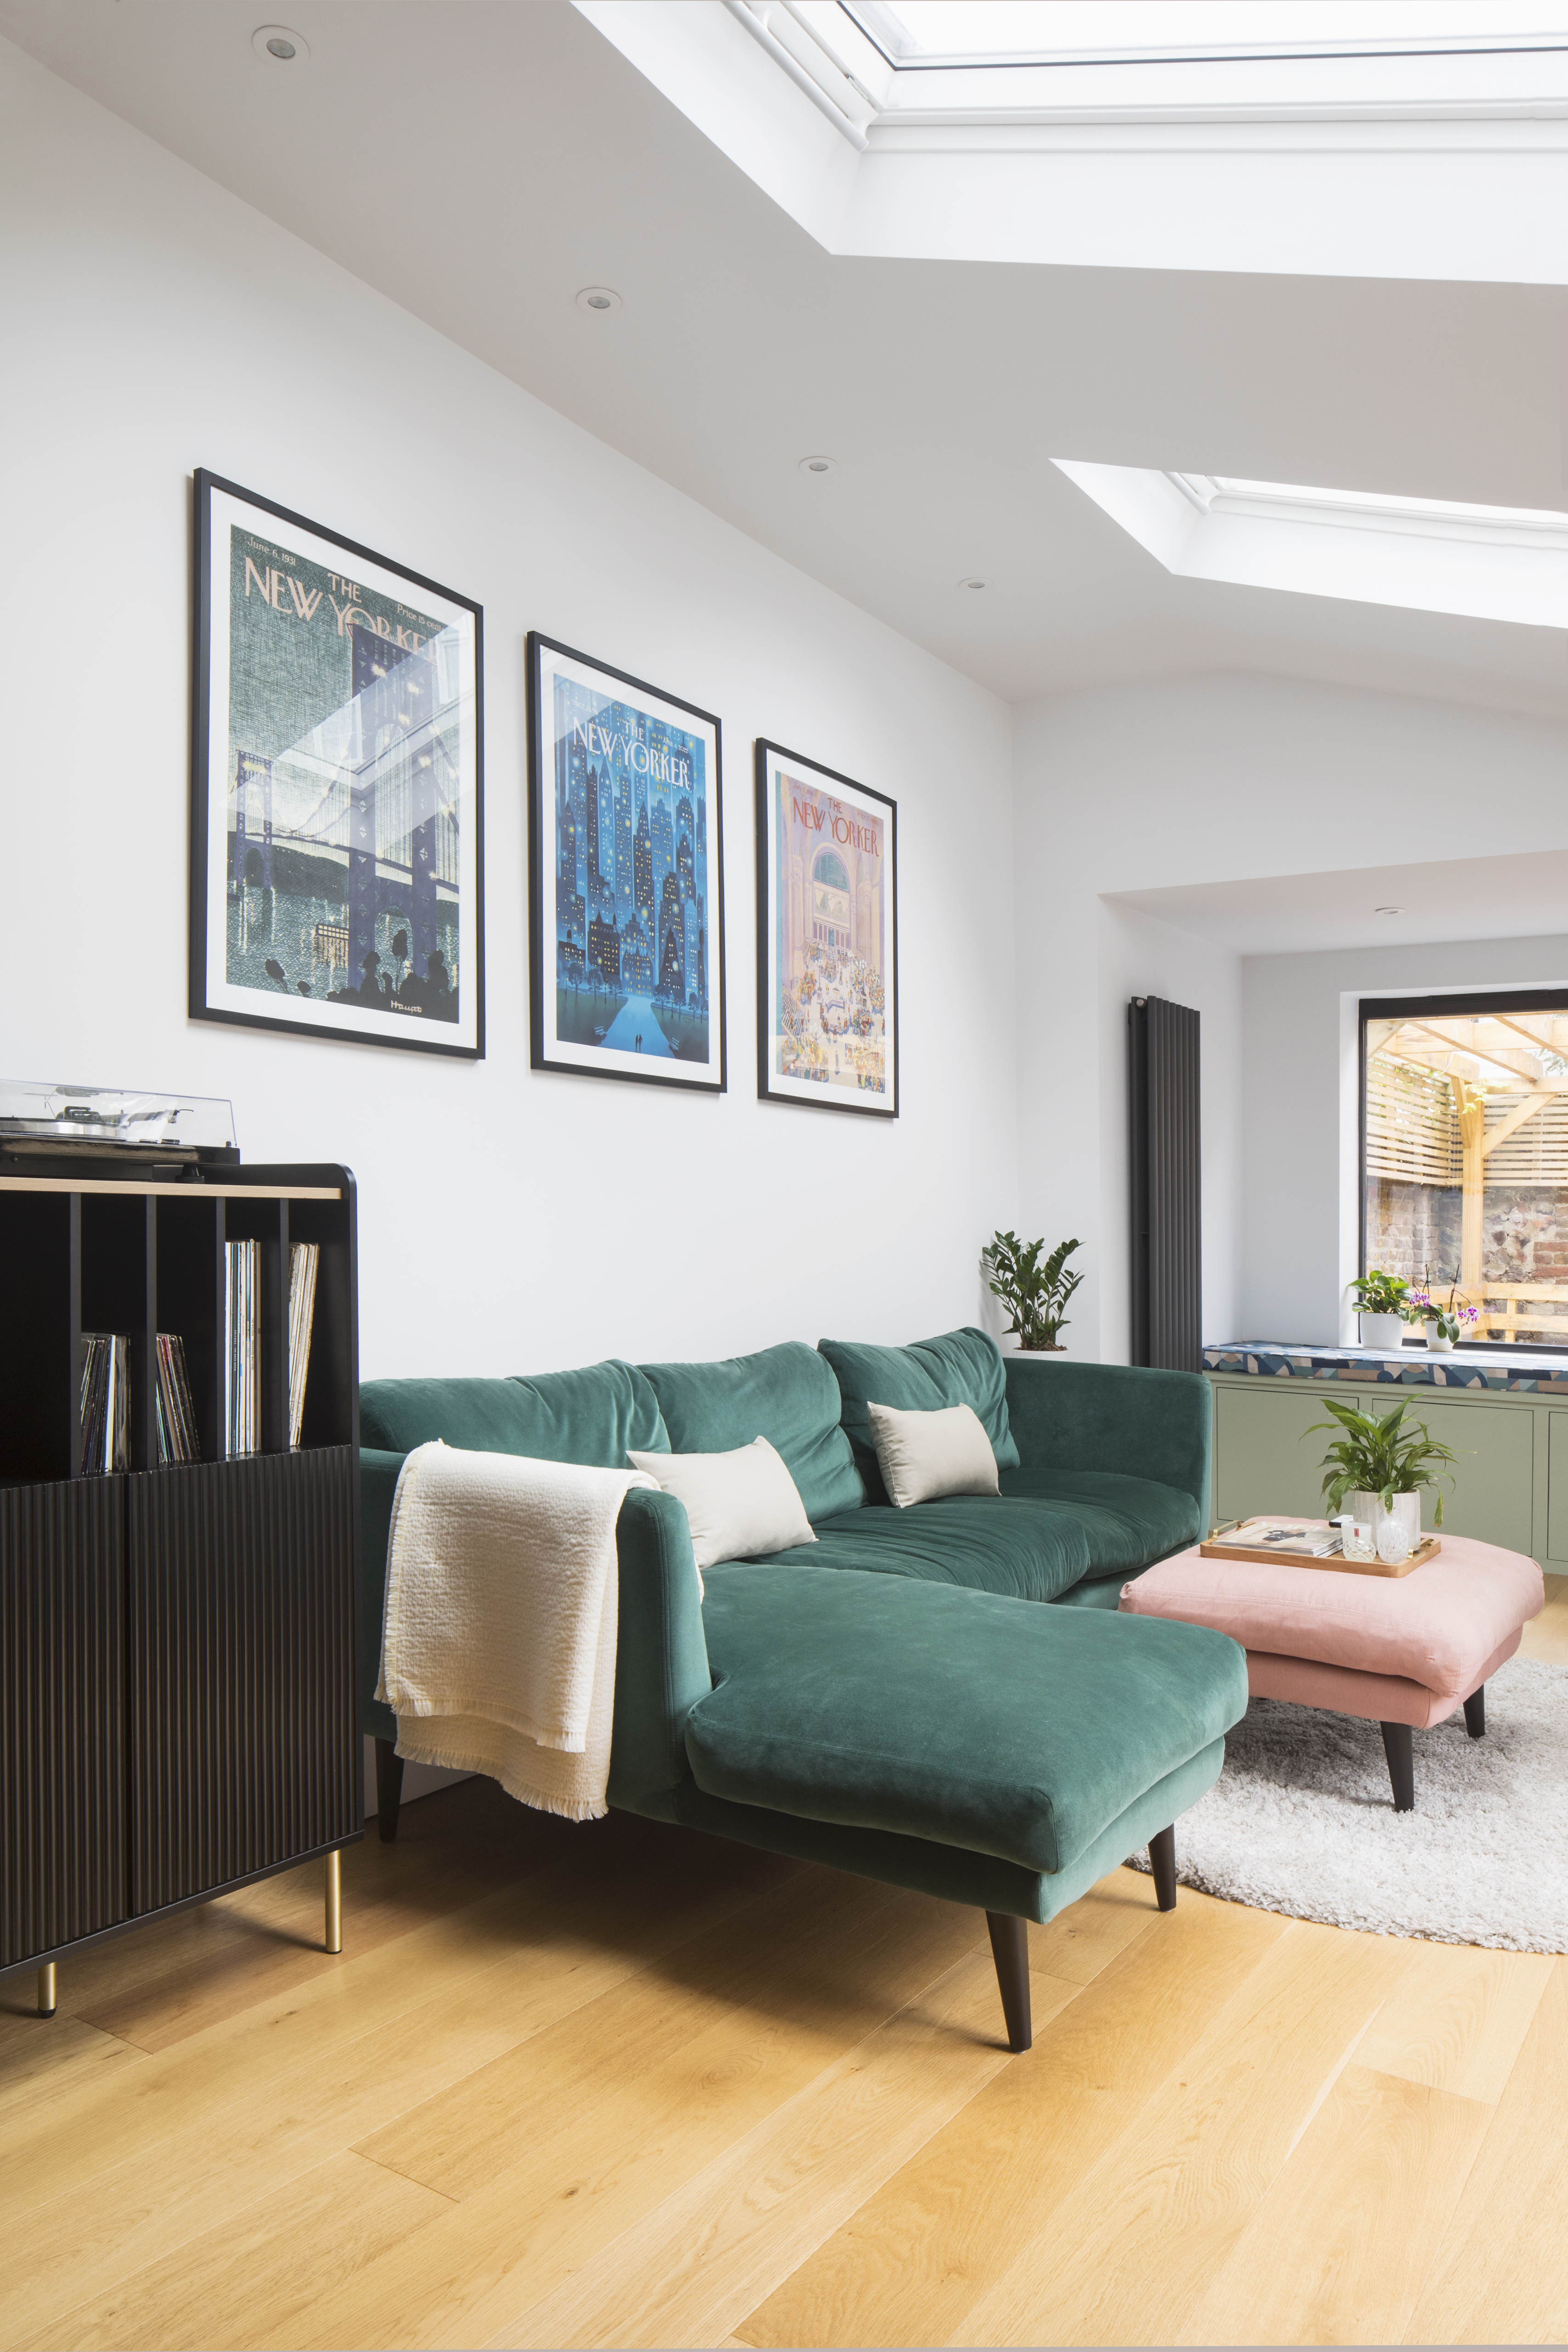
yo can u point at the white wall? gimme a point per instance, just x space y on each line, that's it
508 1220
1178 781
1300 1078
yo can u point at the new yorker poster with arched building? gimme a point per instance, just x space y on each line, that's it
337 859
827 937
627 912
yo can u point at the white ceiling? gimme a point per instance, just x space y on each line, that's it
1514 898
481 160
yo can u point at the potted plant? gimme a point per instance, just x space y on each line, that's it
1035 1295
1380 1300
1445 1321
1380 1465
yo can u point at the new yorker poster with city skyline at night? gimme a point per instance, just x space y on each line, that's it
626 909
337 854
827 937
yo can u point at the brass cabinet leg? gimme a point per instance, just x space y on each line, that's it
335 1937
48 1989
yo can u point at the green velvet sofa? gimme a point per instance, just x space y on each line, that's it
906 1698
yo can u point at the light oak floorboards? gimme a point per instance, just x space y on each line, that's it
628 2086
1545 1638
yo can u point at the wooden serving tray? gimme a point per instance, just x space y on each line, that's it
1427 1549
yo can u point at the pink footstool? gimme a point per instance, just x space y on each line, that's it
1401 1650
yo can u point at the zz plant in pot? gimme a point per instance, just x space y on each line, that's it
1381 1464
1035 1295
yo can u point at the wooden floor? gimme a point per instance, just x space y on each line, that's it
627 2085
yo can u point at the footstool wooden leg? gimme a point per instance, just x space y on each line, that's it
1162 1865
1476 1714
1010 1950
1396 1747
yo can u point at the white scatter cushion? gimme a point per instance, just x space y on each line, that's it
740 1505
924 1454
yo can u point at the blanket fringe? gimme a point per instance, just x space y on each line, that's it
543 1800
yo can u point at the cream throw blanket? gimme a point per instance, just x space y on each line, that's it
499 1653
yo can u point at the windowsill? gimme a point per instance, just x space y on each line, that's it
1502 1368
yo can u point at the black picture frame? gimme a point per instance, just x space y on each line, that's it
574 941
407 1013
868 918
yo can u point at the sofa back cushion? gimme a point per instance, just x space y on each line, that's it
593 1416
960 1368
786 1394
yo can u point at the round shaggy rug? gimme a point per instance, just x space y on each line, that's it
1301 1821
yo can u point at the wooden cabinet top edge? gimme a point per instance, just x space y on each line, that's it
174 1192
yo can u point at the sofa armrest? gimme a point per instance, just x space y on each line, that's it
378 1475
661 1655
661 1652
1147 1425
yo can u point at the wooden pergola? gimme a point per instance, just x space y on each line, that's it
1492 1074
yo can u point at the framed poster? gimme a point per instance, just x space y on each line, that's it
337 787
626 877
827 937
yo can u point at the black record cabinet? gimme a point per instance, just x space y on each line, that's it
179 1696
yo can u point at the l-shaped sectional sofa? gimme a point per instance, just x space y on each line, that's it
941 1696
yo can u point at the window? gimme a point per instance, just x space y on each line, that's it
925 33
1465 1155
1429 555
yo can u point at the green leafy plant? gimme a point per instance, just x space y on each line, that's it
1036 1296
1378 1454
1381 1294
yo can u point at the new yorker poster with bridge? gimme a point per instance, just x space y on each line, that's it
336 840
627 919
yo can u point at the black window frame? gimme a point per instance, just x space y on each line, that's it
1463 1003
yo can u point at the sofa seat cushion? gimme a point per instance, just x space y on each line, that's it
1127 1522
958 1367
786 1394
1030 1551
595 1416
966 1718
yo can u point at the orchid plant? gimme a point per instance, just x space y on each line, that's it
1454 1320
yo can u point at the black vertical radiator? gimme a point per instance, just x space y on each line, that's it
1164 1133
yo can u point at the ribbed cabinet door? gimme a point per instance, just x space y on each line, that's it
62 1714
242 1669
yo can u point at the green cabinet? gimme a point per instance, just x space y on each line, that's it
1509 1483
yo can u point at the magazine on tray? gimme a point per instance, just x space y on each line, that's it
1291 1539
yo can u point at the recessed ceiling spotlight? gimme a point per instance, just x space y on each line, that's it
818 465
598 297
276 45
1388 910
972 582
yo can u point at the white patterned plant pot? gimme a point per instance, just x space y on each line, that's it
1406 1511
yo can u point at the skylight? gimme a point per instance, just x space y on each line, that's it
1431 518
929 33
1429 555
1378 139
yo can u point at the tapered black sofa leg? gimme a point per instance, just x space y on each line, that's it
1397 1748
1162 1865
1476 1713
1010 1950
388 1790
